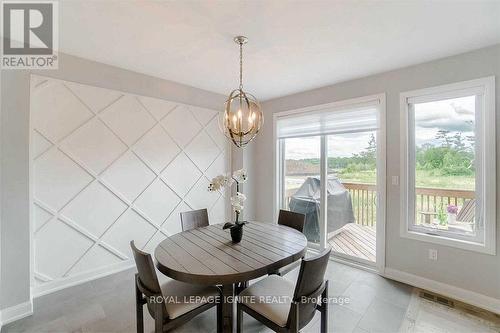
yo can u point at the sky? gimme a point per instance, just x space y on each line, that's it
339 145
455 115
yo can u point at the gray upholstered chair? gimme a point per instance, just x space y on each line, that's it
194 219
297 222
169 303
294 305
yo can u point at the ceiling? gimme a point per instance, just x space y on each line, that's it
293 45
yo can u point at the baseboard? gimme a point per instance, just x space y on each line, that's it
16 312
368 266
60 284
463 295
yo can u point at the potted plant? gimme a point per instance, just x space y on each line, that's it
452 214
238 177
441 216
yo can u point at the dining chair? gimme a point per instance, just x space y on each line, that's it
292 219
194 219
292 306
296 221
171 303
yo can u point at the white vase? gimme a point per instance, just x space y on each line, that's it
452 218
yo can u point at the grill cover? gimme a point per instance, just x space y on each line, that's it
307 201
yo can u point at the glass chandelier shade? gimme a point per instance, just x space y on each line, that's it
242 118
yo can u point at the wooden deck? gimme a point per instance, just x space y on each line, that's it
355 240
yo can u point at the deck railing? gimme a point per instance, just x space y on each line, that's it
428 200
364 202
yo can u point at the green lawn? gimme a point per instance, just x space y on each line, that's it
425 178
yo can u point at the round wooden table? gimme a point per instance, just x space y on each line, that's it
207 256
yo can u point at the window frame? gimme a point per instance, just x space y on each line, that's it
380 99
484 240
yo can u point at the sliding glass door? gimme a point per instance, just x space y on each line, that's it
328 168
301 179
352 213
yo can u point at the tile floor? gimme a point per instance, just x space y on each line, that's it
425 316
107 305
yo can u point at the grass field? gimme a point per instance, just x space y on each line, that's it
425 178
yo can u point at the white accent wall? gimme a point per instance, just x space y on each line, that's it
108 167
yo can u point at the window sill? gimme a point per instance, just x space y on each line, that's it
451 242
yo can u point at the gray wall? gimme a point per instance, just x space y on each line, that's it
14 168
464 269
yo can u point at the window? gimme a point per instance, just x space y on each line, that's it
448 169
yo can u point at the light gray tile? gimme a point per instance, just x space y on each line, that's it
83 316
54 326
389 290
359 330
251 325
337 288
337 272
360 297
382 316
342 319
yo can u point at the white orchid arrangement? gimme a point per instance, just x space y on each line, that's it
237 200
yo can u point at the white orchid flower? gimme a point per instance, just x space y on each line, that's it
237 202
228 180
240 176
217 183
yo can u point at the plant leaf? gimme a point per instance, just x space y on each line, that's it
228 225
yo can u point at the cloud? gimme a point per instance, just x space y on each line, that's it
454 115
447 124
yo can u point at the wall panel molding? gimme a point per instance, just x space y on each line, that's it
109 167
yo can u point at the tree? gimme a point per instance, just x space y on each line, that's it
458 142
372 145
471 140
444 135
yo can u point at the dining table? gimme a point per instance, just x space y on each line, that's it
208 256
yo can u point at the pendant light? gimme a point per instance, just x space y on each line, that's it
242 118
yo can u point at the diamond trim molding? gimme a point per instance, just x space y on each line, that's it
105 168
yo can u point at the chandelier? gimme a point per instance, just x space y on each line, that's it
242 118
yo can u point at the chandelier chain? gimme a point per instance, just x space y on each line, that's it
241 66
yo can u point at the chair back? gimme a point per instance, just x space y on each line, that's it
467 212
292 220
194 219
310 283
146 270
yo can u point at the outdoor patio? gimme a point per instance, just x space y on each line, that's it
355 240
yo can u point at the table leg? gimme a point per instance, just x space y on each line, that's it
227 308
